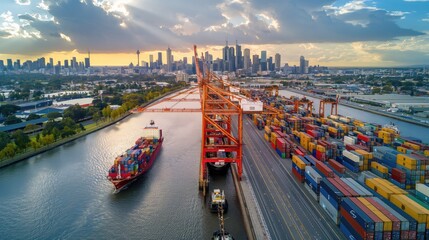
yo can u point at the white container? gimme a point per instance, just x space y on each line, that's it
329 209
423 189
315 176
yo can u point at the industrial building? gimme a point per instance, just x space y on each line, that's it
402 102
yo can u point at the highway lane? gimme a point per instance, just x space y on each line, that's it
288 209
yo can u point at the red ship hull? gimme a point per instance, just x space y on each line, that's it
121 183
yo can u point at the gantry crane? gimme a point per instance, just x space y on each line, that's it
220 142
306 102
334 105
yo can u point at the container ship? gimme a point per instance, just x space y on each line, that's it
372 182
138 159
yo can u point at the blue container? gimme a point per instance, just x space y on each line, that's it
354 233
310 159
361 218
350 167
312 187
332 194
378 236
346 231
350 162
396 235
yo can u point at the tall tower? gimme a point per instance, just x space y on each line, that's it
138 57
302 65
238 56
169 59
277 59
247 59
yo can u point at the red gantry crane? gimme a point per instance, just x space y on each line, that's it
334 105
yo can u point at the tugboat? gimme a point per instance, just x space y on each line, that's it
221 234
217 200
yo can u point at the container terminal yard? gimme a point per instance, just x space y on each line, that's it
311 175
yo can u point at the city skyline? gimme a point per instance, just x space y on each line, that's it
330 33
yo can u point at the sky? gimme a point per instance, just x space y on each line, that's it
373 33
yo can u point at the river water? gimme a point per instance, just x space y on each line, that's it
406 129
64 194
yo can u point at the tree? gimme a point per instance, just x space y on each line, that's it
21 139
12 119
9 151
106 112
32 116
75 112
4 140
9 109
30 128
376 90
53 115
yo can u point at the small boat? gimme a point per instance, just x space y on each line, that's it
218 200
221 234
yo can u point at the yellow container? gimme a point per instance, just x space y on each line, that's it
298 162
412 145
392 187
401 149
311 146
407 161
266 137
419 213
426 152
379 167
321 148
382 190
364 153
387 223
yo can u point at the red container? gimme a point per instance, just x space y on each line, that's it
320 156
337 166
298 176
273 145
298 152
280 144
352 192
412 234
358 228
325 170
275 129
405 235
396 223
339 187
367 211
281 134
398 172
364 138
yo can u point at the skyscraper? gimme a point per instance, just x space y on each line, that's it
74 63
159 62
169 60
51 62
270 64
246 58
231 60
263 60
238 57
66 63
9 64
277 61
1 65
151 61
255 63
303 65
225 52
87 64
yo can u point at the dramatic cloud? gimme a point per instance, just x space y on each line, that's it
23 2
119 26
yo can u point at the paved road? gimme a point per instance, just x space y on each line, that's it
288 209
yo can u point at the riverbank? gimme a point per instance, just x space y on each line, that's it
58 143
378 112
